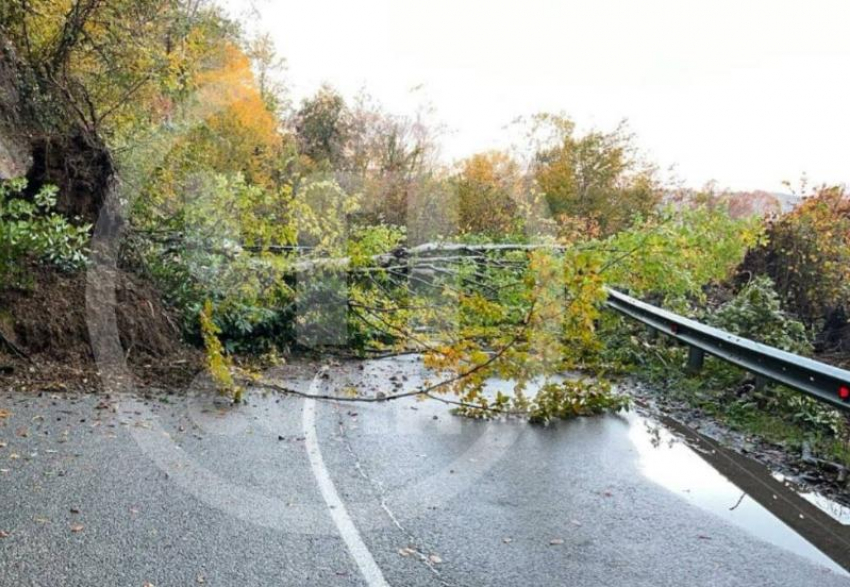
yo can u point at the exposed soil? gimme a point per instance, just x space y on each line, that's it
46 342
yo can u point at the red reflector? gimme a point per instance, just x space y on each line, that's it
844 392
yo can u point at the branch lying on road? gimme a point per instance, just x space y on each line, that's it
426 391
384 398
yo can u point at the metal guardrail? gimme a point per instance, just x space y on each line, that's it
821 381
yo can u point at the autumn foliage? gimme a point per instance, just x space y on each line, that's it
489 188
237 200
807 255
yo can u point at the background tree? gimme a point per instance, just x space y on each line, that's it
395 159
323 129
595 176
489 187
384 157
269 68
807 255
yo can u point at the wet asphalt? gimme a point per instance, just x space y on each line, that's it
179 490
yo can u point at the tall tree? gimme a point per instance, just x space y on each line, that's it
489 187
323 129
596 176
269 67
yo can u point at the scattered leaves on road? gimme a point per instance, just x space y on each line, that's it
76 528
4 534
4 414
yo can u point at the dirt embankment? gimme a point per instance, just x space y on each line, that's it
44 332
46 345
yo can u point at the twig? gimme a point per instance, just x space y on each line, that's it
740 500
469 406
14 348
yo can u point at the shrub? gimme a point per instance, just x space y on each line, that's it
32 231
807 255
756 313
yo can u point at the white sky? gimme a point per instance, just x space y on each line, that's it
746 92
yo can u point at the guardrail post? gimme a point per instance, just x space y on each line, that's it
696 357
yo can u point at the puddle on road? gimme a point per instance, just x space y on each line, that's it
668 461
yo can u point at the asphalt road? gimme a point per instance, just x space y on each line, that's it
129 491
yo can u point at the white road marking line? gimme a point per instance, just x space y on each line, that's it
361 555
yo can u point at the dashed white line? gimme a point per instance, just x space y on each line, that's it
356 547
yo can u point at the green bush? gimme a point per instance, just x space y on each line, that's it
33 231
756 313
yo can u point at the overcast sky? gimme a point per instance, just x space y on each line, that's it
747 92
